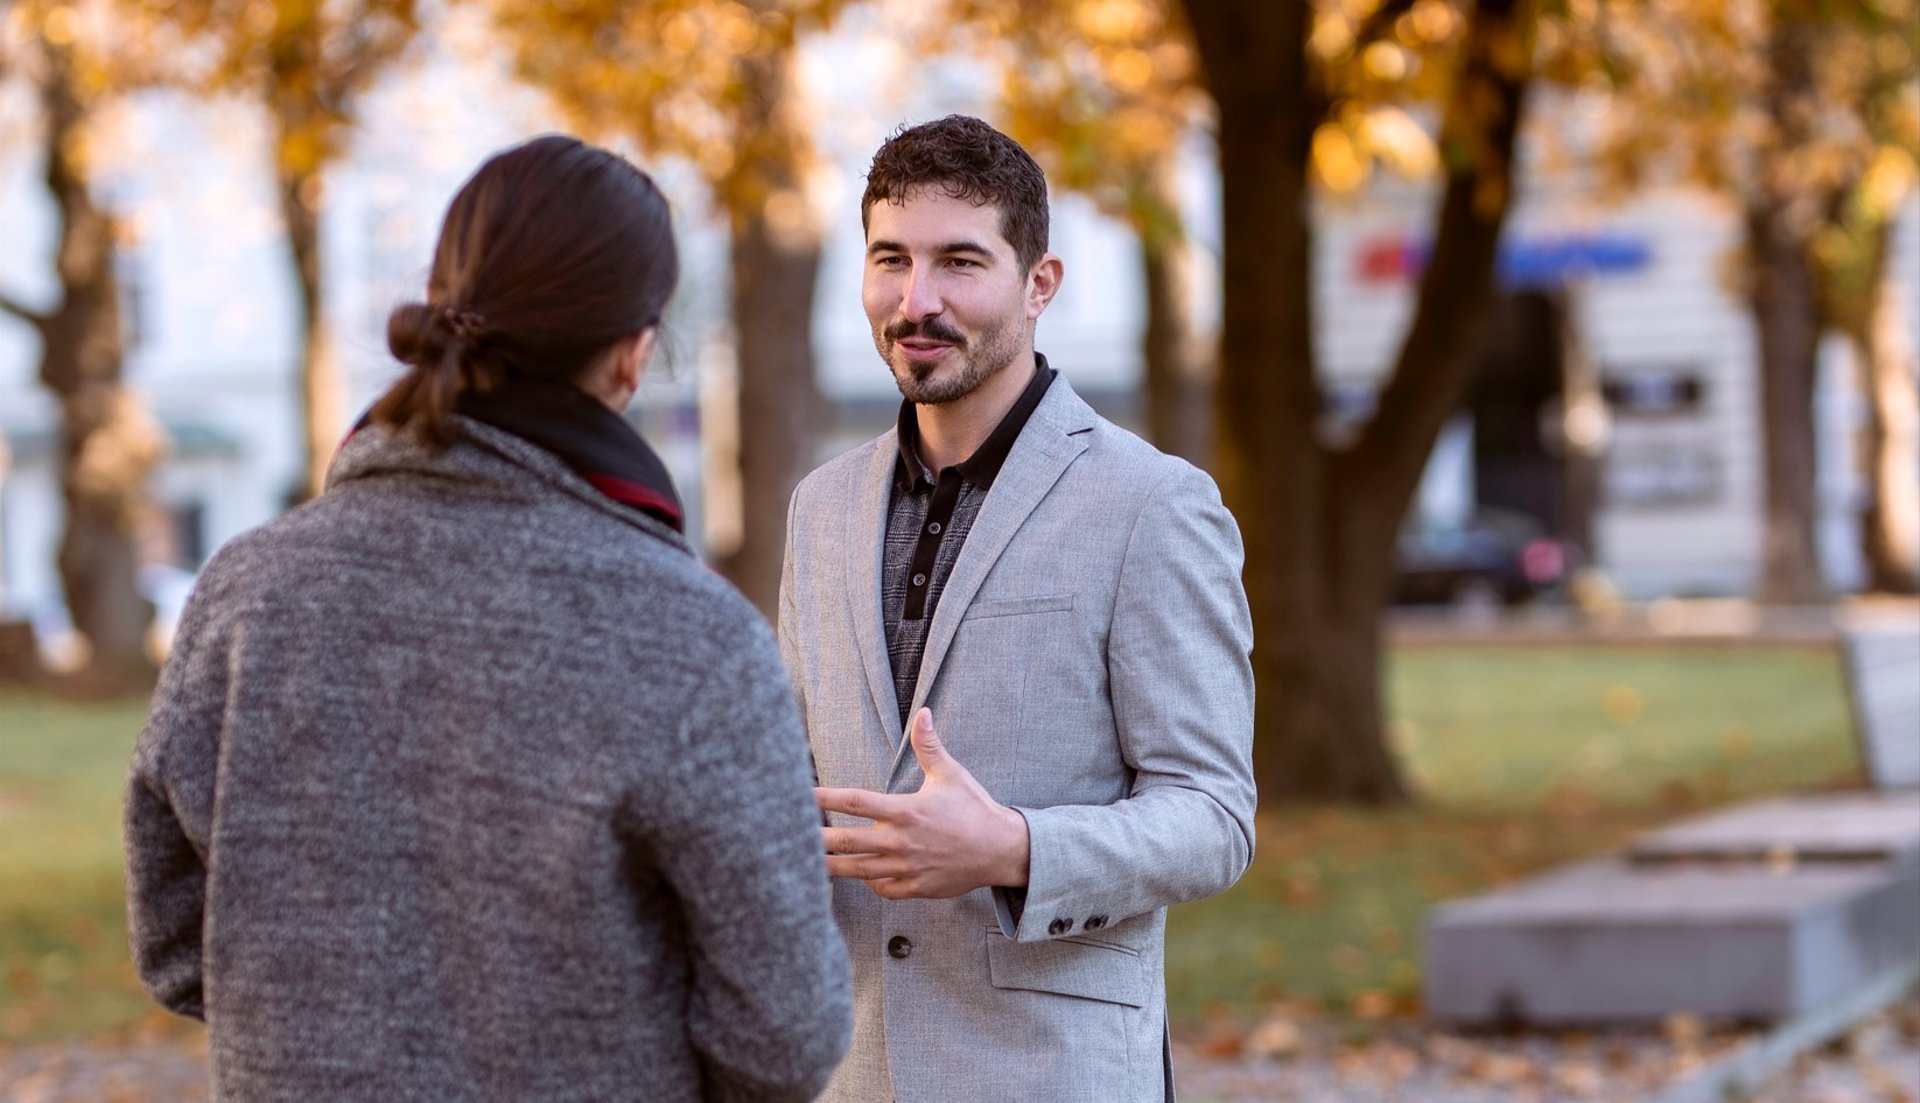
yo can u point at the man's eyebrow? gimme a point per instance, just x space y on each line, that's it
951 247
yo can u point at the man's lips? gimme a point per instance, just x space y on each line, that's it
922 349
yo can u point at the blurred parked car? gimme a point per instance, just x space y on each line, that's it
1491 558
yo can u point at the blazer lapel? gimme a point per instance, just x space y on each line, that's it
1047 446
866 550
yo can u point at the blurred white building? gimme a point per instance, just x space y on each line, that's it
213 340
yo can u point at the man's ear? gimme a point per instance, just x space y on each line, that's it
1043 283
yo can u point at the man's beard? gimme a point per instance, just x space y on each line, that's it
979 362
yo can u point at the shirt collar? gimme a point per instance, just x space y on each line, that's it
980 468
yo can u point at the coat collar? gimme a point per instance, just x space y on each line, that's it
486 455
598 444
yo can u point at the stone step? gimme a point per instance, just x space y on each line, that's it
1615 942
1822 827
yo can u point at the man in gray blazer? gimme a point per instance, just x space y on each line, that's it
1058 609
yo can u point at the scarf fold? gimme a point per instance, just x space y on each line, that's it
600 445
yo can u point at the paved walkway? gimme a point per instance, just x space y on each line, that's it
1279 1062
1876 1062
150 1073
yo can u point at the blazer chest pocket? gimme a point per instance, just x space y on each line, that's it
1050 603
1091 969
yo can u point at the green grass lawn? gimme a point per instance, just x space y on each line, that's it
63 934
1524 757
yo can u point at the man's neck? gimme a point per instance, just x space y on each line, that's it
953 431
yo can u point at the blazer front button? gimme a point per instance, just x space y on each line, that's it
899 946
1060 926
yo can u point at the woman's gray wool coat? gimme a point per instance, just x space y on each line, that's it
465 782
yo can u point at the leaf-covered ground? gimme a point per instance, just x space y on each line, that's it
1290 1059
1524 758
1287 1060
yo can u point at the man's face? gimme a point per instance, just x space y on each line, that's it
949 302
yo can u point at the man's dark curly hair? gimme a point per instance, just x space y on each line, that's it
966 159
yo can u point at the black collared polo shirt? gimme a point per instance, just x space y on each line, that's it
928 519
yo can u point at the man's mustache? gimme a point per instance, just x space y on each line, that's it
932 329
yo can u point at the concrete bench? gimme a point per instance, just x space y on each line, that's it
1761 913
1815 827
1770 911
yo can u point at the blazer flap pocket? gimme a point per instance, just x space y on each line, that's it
1050 603
1087 968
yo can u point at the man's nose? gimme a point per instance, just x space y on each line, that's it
919 299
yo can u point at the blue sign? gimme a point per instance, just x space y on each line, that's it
1534 263
1523 263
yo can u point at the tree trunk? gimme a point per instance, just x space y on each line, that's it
776 264
1584 428
1890 460
1781 219
322 384
1176 376
1272 473
1320 526
304 96
108 445
773 286
1784 311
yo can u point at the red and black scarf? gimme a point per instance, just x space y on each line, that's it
600 445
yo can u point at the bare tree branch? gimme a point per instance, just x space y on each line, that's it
1377 25
1434 365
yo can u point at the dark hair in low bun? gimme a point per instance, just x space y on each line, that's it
549 254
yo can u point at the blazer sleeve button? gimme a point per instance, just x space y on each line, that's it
1094 922
1060 926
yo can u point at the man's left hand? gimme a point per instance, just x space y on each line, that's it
945 840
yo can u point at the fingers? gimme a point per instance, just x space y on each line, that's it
927 747
867 867
893 889
862 803
861 840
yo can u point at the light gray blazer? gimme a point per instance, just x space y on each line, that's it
1088 661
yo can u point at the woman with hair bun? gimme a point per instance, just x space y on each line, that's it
465 780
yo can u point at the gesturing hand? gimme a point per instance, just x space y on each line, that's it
947 839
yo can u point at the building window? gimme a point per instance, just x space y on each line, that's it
175 535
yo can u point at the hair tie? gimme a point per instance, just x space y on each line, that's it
467 325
